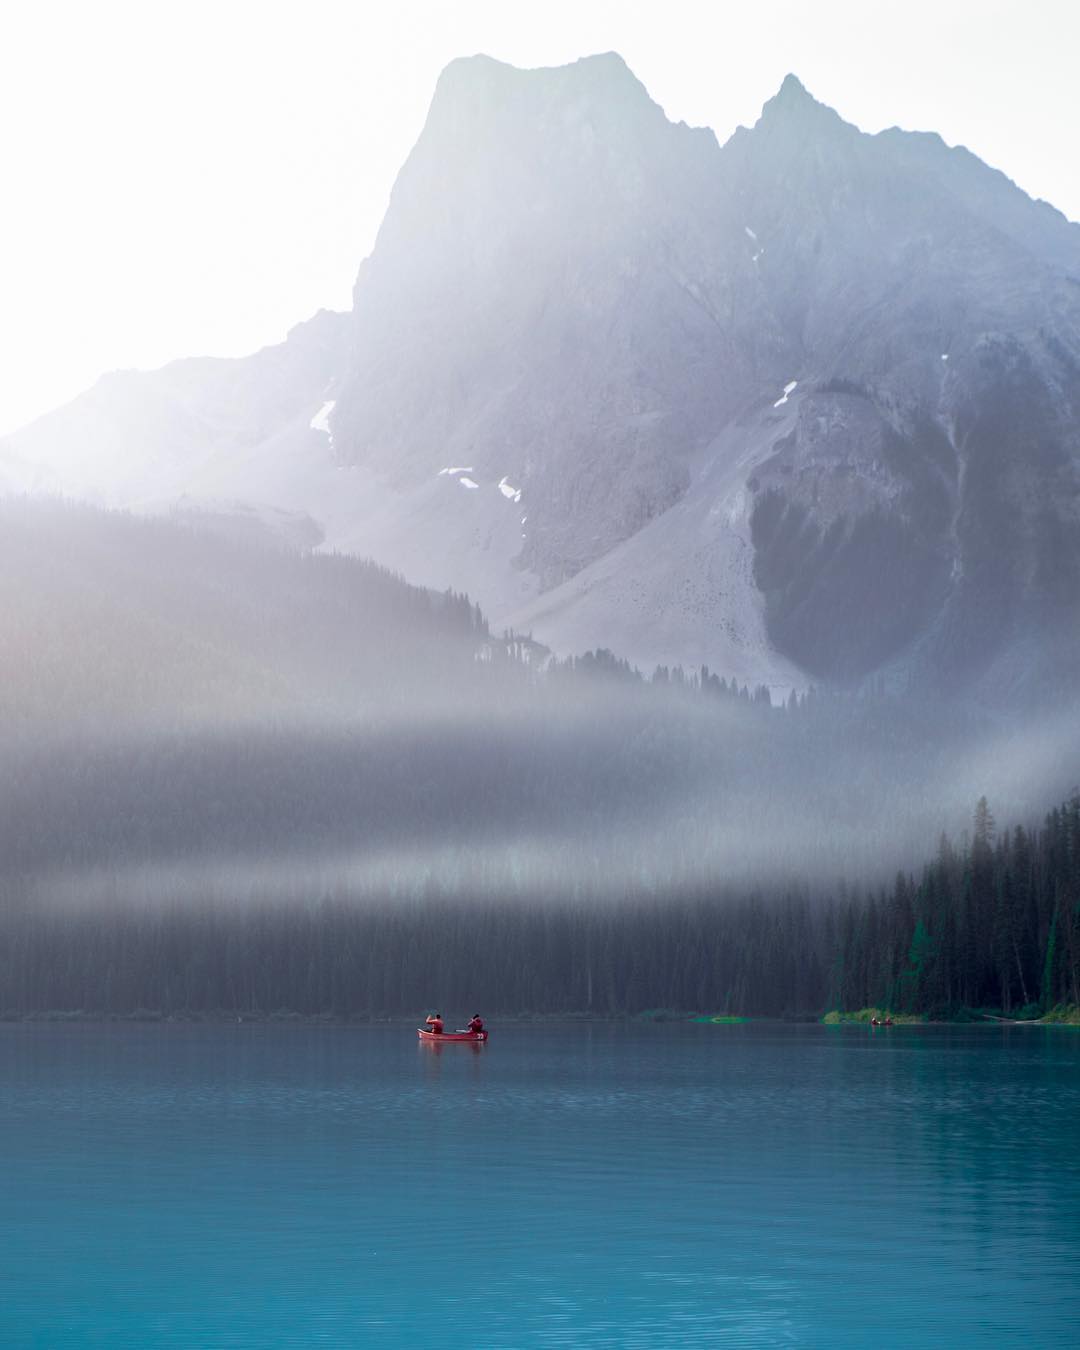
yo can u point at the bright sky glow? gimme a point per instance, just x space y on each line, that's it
193 178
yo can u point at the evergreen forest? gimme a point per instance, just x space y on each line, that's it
991 924
240 780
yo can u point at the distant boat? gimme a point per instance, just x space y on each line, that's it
441 1036
881 1021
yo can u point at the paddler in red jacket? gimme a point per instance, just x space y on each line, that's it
476 1026
435 1023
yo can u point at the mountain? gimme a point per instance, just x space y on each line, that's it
803 406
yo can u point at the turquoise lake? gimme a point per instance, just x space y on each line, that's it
565 1185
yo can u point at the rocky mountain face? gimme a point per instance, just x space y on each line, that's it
805 406
530 307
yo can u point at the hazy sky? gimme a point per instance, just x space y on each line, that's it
193 178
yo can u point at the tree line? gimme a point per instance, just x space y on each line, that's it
992 922
192 730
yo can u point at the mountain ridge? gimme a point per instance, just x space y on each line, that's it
769 362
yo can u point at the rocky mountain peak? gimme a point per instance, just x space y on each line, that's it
507 153
793 109
491 96
792 90
483 75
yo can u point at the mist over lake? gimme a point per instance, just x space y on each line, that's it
540 806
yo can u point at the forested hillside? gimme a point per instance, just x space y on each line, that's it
237 776
112 623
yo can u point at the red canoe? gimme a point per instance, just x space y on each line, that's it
451 1035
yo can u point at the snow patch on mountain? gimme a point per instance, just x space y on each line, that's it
511 493
321 420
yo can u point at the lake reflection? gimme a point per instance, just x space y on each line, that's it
564 1185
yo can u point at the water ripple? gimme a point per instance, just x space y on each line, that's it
601 1186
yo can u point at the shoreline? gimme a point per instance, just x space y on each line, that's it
283 1017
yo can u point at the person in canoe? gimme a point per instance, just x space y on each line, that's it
476 1026
435 1022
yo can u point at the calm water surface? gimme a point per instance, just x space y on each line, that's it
593 1185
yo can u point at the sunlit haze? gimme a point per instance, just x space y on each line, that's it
194 179
540 673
